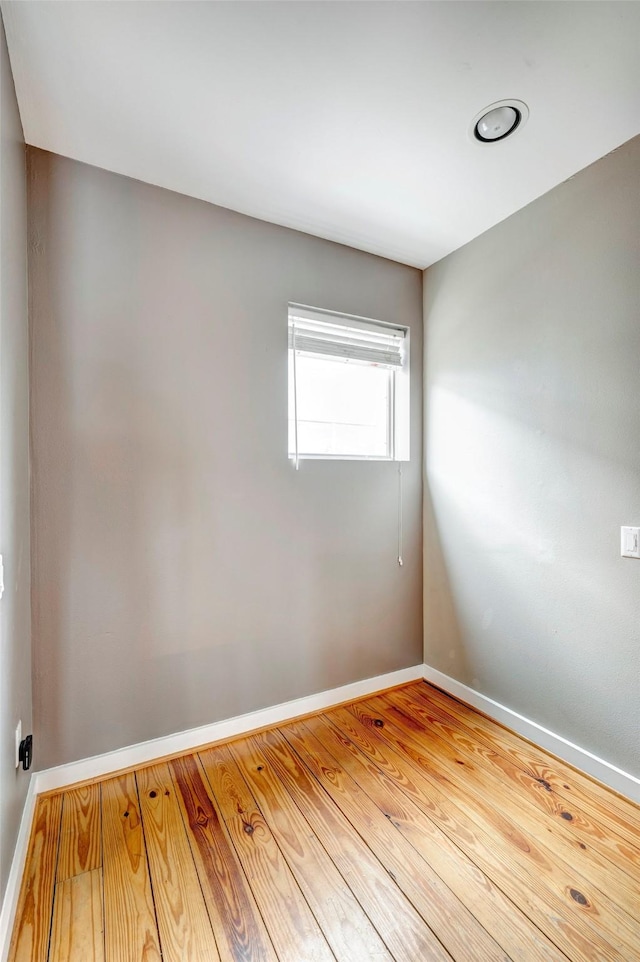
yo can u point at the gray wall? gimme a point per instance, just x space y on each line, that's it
533 460
15 610
183 571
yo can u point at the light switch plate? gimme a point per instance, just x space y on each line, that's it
630 542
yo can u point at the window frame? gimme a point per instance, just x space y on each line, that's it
398 427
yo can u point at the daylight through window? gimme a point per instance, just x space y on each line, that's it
348 387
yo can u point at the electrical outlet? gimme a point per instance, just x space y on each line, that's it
18 740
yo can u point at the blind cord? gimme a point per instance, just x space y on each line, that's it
296 459
400 561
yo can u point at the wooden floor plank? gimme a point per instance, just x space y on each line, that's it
581 828
183 920
130 929
80 834
621 815
291 924
403 827
403 930
240 931
397 760
434 900
541 870
521 798
510 927
588 879
78 932
30 940
343 921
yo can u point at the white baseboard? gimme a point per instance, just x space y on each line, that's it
100 765
621 781
12 891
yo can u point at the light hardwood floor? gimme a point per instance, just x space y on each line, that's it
405 826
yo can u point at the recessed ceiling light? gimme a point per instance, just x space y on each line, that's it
498 121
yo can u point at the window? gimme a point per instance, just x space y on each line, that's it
348 387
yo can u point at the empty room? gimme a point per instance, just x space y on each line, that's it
319 481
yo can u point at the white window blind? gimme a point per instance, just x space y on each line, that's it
352 340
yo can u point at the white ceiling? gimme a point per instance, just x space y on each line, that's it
348 120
